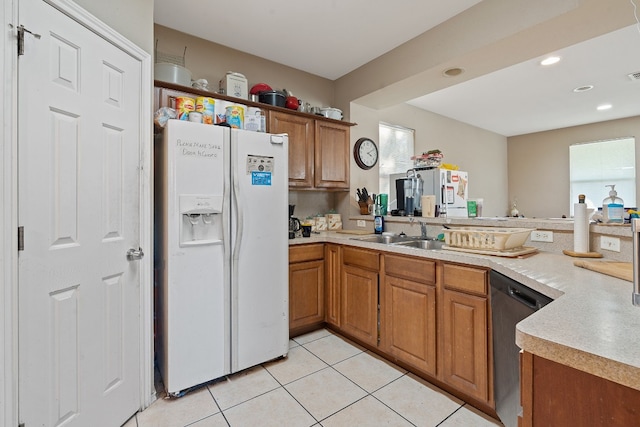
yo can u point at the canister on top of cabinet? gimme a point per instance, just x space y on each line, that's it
184 105
235 116
206 106
234 84
255 120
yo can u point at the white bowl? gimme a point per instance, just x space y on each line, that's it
331 113
172 73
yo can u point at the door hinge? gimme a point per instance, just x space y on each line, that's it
21 238
21 425
21 31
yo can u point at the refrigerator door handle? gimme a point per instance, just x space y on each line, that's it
226 217
239 210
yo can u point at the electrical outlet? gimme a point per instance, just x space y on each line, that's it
610 243
361 223
542 236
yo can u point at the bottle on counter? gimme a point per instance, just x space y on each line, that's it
612 207
378 223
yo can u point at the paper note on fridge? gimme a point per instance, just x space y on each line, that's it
259 164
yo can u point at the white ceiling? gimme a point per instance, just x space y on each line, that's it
529 97
327 38
332 38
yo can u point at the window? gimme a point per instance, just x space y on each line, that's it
596 164
396 149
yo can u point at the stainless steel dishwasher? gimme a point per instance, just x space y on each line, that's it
510 303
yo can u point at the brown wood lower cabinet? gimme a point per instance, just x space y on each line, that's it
432 317
465 332
306 287
408 311
359 294
332 264
554 394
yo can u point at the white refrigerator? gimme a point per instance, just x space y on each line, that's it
451 189
455 193
221 251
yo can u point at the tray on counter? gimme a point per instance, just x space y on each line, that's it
511 253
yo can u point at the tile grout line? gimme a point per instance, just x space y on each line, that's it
390 408
450 415
292 396
360 352
218 405
359 386
262 365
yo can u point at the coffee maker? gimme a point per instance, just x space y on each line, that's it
409 194
294 223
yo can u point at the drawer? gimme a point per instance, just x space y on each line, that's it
465 279
361 258
414 269
300 253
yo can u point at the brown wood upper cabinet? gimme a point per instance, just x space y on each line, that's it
331 155
318 151
302 134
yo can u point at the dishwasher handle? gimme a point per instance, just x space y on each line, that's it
527 300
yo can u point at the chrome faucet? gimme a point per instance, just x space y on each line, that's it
635 229
423 229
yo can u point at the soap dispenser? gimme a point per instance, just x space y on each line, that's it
612 207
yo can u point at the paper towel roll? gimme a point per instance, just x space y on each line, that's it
581 227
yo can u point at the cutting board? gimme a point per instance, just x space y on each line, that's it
621 270
510 253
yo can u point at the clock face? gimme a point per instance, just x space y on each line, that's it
366 153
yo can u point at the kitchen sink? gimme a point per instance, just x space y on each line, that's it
386 239
403 240
432 244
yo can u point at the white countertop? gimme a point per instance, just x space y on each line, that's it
591 325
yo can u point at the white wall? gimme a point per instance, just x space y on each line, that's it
132 19
481 153
211 61
539 165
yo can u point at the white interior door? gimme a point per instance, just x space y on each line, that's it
79 189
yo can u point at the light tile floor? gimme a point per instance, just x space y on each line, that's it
325 381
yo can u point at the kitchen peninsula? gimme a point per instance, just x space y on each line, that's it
590 331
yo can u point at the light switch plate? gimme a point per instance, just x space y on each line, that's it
361 223
610 243
542 236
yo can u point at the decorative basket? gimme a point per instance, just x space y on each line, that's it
486 238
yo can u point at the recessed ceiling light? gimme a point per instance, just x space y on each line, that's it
453 72
603 107
583 88
550 60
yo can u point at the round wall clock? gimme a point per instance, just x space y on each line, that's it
365 153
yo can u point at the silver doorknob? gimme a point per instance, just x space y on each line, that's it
134 254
